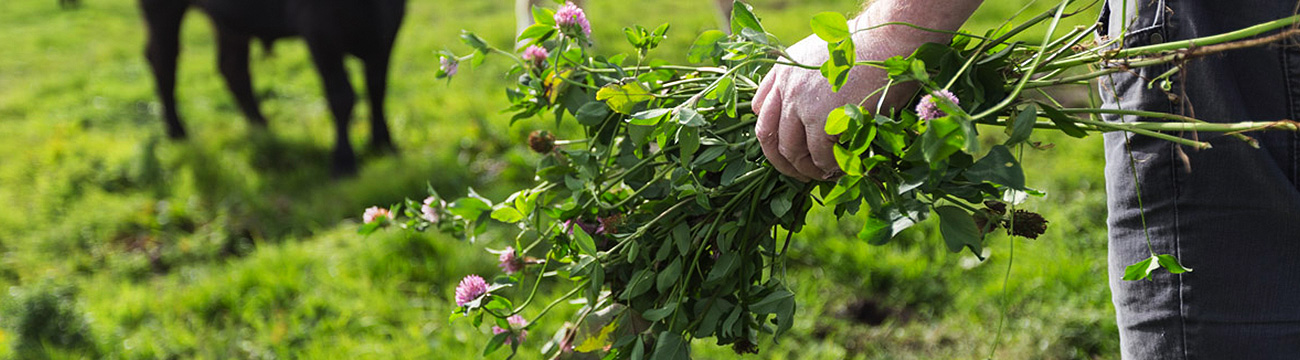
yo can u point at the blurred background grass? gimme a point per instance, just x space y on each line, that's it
117 243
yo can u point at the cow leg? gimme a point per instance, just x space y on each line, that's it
163 19
339 93
232 58
376 88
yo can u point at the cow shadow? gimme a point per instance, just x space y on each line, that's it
262 189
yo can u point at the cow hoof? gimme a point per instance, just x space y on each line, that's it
176 133
381 149
344 167
343 172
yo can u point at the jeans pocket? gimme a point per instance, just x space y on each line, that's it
1138 22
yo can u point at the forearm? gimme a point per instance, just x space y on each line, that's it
948 15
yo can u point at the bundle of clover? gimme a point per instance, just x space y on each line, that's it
666 219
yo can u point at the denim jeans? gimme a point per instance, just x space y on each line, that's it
1231 213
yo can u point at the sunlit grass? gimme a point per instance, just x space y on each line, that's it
236 244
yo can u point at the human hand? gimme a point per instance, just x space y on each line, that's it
792 104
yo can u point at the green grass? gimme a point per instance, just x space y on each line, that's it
117 243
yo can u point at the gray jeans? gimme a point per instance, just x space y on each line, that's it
1232 213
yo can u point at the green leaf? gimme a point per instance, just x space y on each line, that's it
1064 122
849 162
689 117
1141 269
536 33
887 221
958 229
495 343
836 68
650 117
623 98
875 231
585 243
830 26
725 265
660 313
918 71
592 113
742 17
474 41
1023 125
780 303
771 302
640 282
998 167
497 303
862 141
705 46
682 237
709 154
941 139
638 350
688 141
636 36
720 90
1169 262
596 284
507 214
837 121
897 66
668 276
543 16
781 204
639 134
661 31
670 345
368 228
846 189
469 208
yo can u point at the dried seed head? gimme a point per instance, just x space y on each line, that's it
1027 224
744 347
541 141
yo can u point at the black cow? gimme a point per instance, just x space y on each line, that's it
332 28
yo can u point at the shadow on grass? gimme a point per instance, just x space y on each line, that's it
262 188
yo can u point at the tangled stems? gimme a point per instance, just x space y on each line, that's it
1173 46
665 205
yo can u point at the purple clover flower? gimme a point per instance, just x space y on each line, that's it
570 18
536 55
510 262
449 65
516 322
927 109
608 224
588 228
471 288
375 213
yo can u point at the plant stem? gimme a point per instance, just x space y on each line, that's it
1033 66
562 298
1175 45
532 293
1142 131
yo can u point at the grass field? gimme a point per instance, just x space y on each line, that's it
118 243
